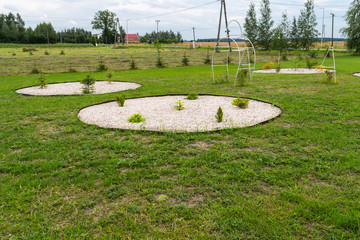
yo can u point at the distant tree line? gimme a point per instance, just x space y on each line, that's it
298 33
162 36
74 35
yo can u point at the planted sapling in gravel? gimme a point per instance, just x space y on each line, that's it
88 84
241 102
136 118
219 115
121 100
42 82
179 105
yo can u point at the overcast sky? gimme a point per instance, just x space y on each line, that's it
79 13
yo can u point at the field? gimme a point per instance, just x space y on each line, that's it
296 177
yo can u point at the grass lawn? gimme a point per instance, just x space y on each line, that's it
297 177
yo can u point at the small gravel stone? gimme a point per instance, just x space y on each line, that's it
75 88
160 114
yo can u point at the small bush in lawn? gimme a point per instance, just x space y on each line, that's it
132 64
207 60
14 54
31 53
136 118
329 76
42 81
46 53
310 63
159 62
88 84
121 100
241 102
109 76
242 77
192 96
179 105
228 60
313 54
185 60
35 71
62 52
268 65
219 115
72 70
101 67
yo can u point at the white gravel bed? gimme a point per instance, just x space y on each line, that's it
291 71
160 114
357 74
75 88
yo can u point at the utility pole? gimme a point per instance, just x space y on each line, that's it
332 31
157 28
323 28
194 45
223 8
127 32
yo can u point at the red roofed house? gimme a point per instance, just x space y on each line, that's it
132 38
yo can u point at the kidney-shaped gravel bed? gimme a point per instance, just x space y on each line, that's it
160 115
75 88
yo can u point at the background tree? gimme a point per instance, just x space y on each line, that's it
294 34
265 25
280 39
45 33
163 36
352 31
306 25
105 21
250 26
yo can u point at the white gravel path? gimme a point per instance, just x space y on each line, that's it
160 114
291 71
357 74
75 88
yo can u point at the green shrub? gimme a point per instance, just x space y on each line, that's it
101 67
228 60
220 78
109 76
219 115
72 70
278 67
284 57
192 96
29 50
121 100
35 71
241 102
62 52
88 84
46 53
207 60
313 54
159 62
14 54
179 105
42 82
329 76
136 118
185 60
132 64
310 63
31 53
242 77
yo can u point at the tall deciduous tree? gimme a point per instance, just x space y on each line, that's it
105 21
45 31
306 24
250 26
265 25
352 31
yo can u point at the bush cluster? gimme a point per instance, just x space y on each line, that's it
241 102
136 118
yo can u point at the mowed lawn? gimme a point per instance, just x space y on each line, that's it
296 177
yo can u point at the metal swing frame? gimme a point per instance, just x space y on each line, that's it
244 51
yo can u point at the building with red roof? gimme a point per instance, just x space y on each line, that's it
132 38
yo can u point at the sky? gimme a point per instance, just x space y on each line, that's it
138 16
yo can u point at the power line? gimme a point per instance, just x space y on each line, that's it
181 10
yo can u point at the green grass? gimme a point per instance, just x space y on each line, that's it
297 177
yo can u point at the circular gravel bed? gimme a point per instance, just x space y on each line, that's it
160 114
291 71
356 74
75 88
